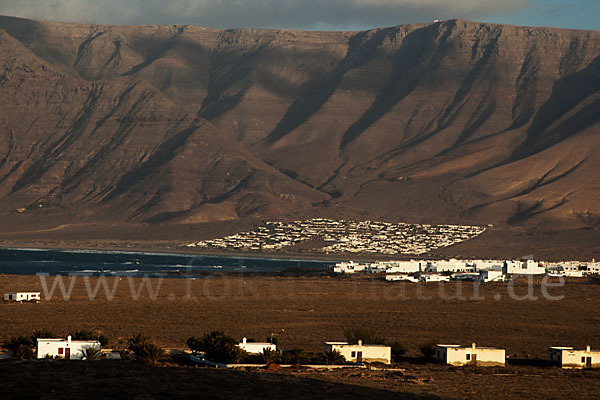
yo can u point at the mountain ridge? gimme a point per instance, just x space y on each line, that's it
445 122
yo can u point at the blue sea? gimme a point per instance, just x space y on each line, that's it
117 263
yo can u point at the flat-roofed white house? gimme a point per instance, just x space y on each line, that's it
527 267
22 296
64 348
569 357
463 355
255 347
360 352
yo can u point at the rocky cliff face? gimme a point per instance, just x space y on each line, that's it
446 122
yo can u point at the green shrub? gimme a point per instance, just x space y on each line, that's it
428 349
398 350
295 356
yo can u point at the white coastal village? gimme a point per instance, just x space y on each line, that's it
341 236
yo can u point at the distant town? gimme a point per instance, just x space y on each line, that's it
467 270
341 236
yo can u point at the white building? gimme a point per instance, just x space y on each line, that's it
527 267
593 267
463 355
558 271
465 276
22 296
452 265
68 349
360 352
401 277
349 268
491 275
434 278
489 265
255 347
403 267
569 357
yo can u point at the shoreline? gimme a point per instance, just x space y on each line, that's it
183 252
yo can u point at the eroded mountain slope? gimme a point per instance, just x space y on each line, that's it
451 121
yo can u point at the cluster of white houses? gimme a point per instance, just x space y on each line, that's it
343 236
359 353
565 357
469 270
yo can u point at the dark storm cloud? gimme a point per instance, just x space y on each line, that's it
257 13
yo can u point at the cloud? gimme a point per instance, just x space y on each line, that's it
343 14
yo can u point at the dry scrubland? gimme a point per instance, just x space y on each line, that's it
315 309
310 310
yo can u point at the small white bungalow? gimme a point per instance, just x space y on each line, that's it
462 355
255 347
360 352
569 357
68 349
22 296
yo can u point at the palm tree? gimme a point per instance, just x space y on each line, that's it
137 343
21 347
154 354
145 350
126 355
270 356
334 357
92 354
366 335
82 334
217 347
40 334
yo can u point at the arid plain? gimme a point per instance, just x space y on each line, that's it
304 312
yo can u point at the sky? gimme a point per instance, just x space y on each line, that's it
309 14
